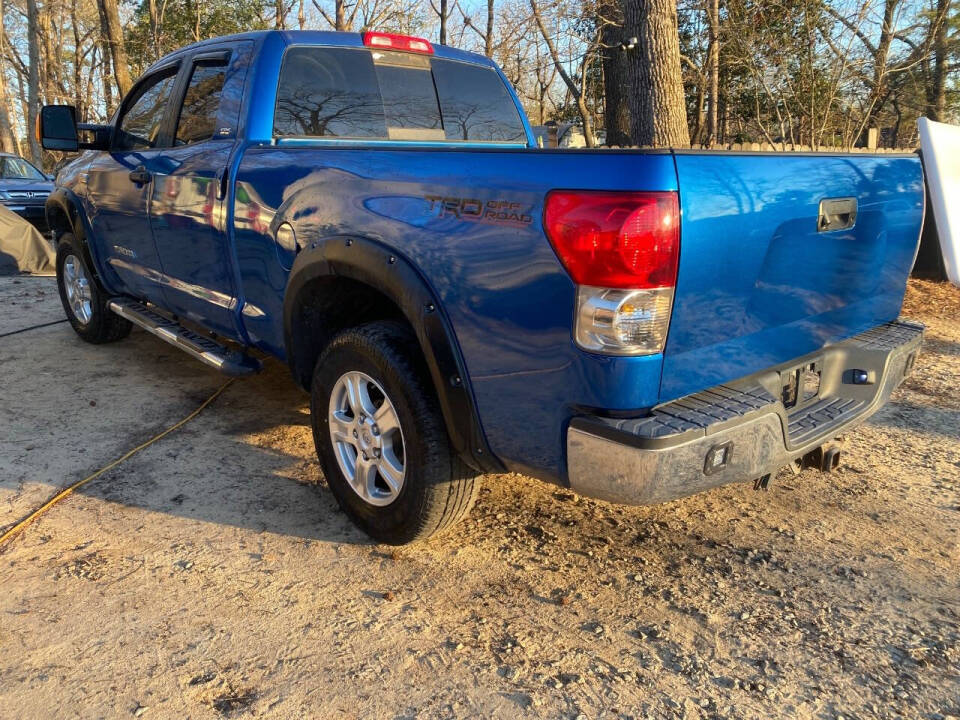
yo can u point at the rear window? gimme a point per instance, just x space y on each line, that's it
328 93
409 98
475 104
364 94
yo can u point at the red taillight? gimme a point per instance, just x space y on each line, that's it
389 41
615 239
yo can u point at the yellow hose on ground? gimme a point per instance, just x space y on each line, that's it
16 529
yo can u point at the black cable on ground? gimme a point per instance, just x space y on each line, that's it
32 327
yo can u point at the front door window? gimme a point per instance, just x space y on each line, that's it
142 120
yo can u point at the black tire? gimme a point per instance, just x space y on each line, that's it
439 489
102 326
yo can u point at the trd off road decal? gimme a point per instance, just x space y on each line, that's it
498 212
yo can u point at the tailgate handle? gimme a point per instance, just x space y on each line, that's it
837 214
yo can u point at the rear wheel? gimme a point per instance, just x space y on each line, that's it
381 439
84 301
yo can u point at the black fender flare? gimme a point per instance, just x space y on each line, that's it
383 269
65 202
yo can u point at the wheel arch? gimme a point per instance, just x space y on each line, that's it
64 212
391 286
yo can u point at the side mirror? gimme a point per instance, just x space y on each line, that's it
57 128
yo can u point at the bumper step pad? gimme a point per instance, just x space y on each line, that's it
888 336
692 415
811 421
705 412
230 362
670 452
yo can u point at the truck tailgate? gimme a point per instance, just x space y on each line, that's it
761 282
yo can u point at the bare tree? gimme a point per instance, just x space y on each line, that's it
616 109
79 56
817 72
658 109
936 90
343 17
576 89
488 35
154 13
113 34
713 63
485 35
33 79
106 75
443 14
281 10
8 138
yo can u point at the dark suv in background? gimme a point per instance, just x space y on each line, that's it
24 189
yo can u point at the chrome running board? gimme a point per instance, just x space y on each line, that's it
229 362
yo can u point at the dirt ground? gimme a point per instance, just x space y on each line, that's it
212 575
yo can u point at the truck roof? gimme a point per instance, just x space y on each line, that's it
324 38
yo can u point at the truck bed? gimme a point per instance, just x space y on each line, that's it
757 285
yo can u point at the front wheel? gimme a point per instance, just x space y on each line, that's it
380 436
84 301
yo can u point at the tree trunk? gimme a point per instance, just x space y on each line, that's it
937 94
154 28
488 38
33 81
105 74
713 62
616 111
88 84
443 22
880 55
24 108
78 99
48 61
110 23
696 137
894 141
8 138
301 16
341 11
657 106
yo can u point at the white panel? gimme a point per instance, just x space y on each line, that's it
941 164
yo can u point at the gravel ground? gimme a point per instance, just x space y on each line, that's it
212 575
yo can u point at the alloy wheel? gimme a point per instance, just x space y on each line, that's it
367 438
77 286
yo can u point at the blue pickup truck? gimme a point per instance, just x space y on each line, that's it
637 325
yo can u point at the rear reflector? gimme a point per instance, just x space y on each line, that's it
615 239
389 41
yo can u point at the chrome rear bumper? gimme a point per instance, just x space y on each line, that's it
668 454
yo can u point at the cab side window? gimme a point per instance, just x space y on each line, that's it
142 120
329 92
198 114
